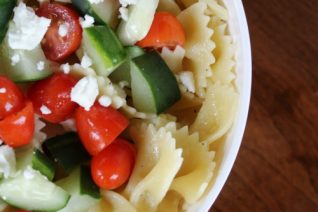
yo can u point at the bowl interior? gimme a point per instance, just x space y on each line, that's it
239 30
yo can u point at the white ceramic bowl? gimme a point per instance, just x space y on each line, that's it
239 31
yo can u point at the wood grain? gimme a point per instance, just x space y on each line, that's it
277 166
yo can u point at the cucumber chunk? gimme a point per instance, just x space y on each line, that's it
6 11
34 193
154 87
102 45
26 69
67 150
104 12
122 73
80 185
37 160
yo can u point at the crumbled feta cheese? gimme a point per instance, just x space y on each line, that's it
125 3
95 1
15 59
29 173
7 161
186 78
63 30
3 90
87 21
123 84
45 110
27 29
123 13
66 68
105 101
86 61
39 136
117 102
69 125
40 66
85 92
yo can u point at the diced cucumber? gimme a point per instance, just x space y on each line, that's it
26 68
6 11
139 21
67 150
37 160
104 12
102 45
154 87
34 193
122 73
84 192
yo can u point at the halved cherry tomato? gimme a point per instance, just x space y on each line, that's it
112 167
165 31
55 46
11 97
17 129
99 126
53 94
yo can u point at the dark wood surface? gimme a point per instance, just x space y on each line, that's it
277 166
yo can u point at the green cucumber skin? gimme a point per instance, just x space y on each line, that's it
42 163
103 46
67 150
122 73
160 79
88 186
6 12
84 7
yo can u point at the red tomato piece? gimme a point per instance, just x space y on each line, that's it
53 94
17 129
99 126
112 167
165 31
11 97
55 46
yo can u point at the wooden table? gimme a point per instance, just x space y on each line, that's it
277 166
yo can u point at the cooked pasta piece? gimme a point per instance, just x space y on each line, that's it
198 45
169 6
173 58
217 113
216 10
170 203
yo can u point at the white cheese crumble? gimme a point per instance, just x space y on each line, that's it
27 29
87 21
95 1
123 13
125 3
85 92
63 30
15 59
86 61
29 173
7 161
105 101
3 90
39 136
66 68
40 66
69 125
186 78
45 110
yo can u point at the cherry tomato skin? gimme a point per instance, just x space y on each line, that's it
56 47
99 126
55 94
165 31
112 167
17 129
11 98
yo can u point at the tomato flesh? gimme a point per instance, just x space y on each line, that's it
112 167
53 93
56 47
165 31
11 97
99 126
17 129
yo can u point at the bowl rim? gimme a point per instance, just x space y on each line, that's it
244 84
